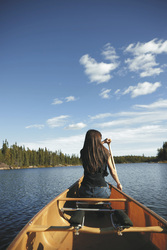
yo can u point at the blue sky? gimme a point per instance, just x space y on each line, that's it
69 66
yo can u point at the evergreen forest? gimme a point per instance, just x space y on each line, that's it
17 156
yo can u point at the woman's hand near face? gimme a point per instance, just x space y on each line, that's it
107 140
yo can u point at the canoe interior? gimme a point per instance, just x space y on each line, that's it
35 236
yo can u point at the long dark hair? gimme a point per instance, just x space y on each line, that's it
93 154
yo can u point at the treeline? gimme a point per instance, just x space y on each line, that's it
18 156
134 159
162 153
161 156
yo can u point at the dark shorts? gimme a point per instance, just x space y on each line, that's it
94 192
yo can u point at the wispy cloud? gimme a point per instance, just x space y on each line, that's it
136 134
58 121
136 140
100 72
105 93
109 53
154 46
135 118
57 101
131 131
69 145
66 99
70 99
39 126
117 91
76 126
144 88
144 57
158 104
125 141
100 116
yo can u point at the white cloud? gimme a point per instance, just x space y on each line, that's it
76 126
39 126
135 118
117 91
145 63
100 116
100 72
57 121
67 99
70 98
97 72
144 60
105 93
145 139
57 101
110 54
135 132
125 140
144 88
154 46
158 104
68 145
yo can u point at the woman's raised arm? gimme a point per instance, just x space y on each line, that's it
113 173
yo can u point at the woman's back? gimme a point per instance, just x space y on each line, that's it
95 158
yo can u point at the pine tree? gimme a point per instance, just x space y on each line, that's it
162 152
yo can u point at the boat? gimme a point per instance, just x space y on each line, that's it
69 222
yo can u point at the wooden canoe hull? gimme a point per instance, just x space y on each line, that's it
49 230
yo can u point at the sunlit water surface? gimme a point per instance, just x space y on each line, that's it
24 192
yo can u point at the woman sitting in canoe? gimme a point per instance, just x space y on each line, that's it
95 158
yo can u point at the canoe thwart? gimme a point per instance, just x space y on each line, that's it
93 199
70 209
98 203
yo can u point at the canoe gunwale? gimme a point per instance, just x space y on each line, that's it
58 202
130 199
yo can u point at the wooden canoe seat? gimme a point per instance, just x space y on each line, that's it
108 230
77 220
119 220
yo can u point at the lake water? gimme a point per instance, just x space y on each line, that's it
24 192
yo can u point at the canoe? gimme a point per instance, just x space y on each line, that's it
69 222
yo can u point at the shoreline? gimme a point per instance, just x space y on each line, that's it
4 166
7 167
